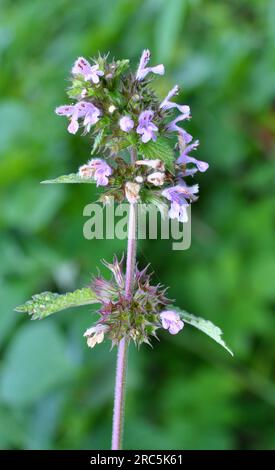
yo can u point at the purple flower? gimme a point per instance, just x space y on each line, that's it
167 104
146 127
171 321
83 109
188 172
172 126
126 124
184 158
143 70
178 196
97 169
180 191
91 116
102 171
89 72
178 211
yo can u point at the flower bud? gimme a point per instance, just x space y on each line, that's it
156 178
132 192
126 124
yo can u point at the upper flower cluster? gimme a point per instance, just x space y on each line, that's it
121 110
123 102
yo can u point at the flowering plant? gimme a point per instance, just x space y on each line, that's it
144 156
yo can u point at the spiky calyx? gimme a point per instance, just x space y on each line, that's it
136 319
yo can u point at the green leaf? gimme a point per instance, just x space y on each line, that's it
205 326
46 303
72 178
160 149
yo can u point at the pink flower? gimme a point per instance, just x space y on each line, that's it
143 70
184 158
146 127
83 109
167 104
171 321
97 169
177 195
173 126
178 211
89 72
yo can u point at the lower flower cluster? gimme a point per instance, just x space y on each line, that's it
137 319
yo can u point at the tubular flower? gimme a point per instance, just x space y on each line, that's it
178 196
142 70
146 127
173 127
167 104
97 169
184 158
88 71
83 109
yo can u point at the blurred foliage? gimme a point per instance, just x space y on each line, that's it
186 393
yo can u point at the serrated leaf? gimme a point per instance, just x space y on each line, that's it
97 141
46 303
72 178
206 327
159 149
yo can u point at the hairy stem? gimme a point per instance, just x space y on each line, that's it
119 400
121 368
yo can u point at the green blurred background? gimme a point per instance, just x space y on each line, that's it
186 393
